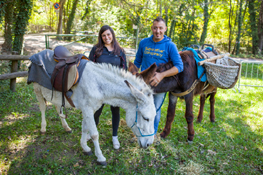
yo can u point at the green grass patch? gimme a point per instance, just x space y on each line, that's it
231 145
252 74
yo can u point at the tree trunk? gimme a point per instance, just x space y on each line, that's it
21 23
59 31
71 18
172 29
260 28
7 45
166 19
252 17
230 27
161 8
239 27
206 20
86 9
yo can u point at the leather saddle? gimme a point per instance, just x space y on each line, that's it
65 73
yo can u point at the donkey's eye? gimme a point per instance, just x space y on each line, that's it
145 119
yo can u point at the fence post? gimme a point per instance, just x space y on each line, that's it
14 67
46 40
137 34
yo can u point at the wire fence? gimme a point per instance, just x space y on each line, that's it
251 74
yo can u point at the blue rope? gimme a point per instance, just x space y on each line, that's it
161 103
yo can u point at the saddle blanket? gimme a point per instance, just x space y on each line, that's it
200 69
42 66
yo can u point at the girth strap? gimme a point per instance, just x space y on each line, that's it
190 89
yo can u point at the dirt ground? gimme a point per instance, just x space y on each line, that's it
34 43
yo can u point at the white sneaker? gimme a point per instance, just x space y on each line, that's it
116 143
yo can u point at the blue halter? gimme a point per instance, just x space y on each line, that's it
138 127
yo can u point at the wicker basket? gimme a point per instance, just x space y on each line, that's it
224 74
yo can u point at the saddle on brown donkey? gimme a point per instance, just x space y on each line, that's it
178 84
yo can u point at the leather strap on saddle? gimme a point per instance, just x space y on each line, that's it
65 73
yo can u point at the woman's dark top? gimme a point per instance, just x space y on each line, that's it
108 57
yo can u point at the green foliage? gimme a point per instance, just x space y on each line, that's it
2 10
7 46
188 22
21 21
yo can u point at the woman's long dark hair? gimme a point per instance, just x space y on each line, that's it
116 47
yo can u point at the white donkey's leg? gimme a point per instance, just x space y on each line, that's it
88 124
42 107
63 120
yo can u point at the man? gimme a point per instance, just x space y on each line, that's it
158 49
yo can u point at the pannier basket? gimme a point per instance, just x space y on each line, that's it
224 73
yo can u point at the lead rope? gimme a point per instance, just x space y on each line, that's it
63 92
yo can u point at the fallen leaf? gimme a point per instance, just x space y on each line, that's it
201 144
211 152
77 164
245 148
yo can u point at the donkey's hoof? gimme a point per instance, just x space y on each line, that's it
42 133
163 135
70 131
88 153
189 142
103 163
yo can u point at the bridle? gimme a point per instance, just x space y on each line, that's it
135 122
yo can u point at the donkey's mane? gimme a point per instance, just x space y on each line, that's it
122 73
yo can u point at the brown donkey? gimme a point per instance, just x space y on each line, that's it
178 84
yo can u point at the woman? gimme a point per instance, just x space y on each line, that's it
108 50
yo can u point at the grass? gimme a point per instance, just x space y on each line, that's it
252 74
231 145
252 56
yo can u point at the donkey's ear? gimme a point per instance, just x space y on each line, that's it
139 96
147 74
133 69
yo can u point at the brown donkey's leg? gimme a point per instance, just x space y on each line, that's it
170 115
201 108
189 115
212 107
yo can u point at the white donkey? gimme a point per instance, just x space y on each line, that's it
103 83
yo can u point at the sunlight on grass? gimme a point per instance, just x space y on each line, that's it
21 79
10 119
191 168
16 148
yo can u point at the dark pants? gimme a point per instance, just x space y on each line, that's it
115 111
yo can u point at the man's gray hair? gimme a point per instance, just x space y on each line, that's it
158 19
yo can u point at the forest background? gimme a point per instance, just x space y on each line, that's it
234 26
